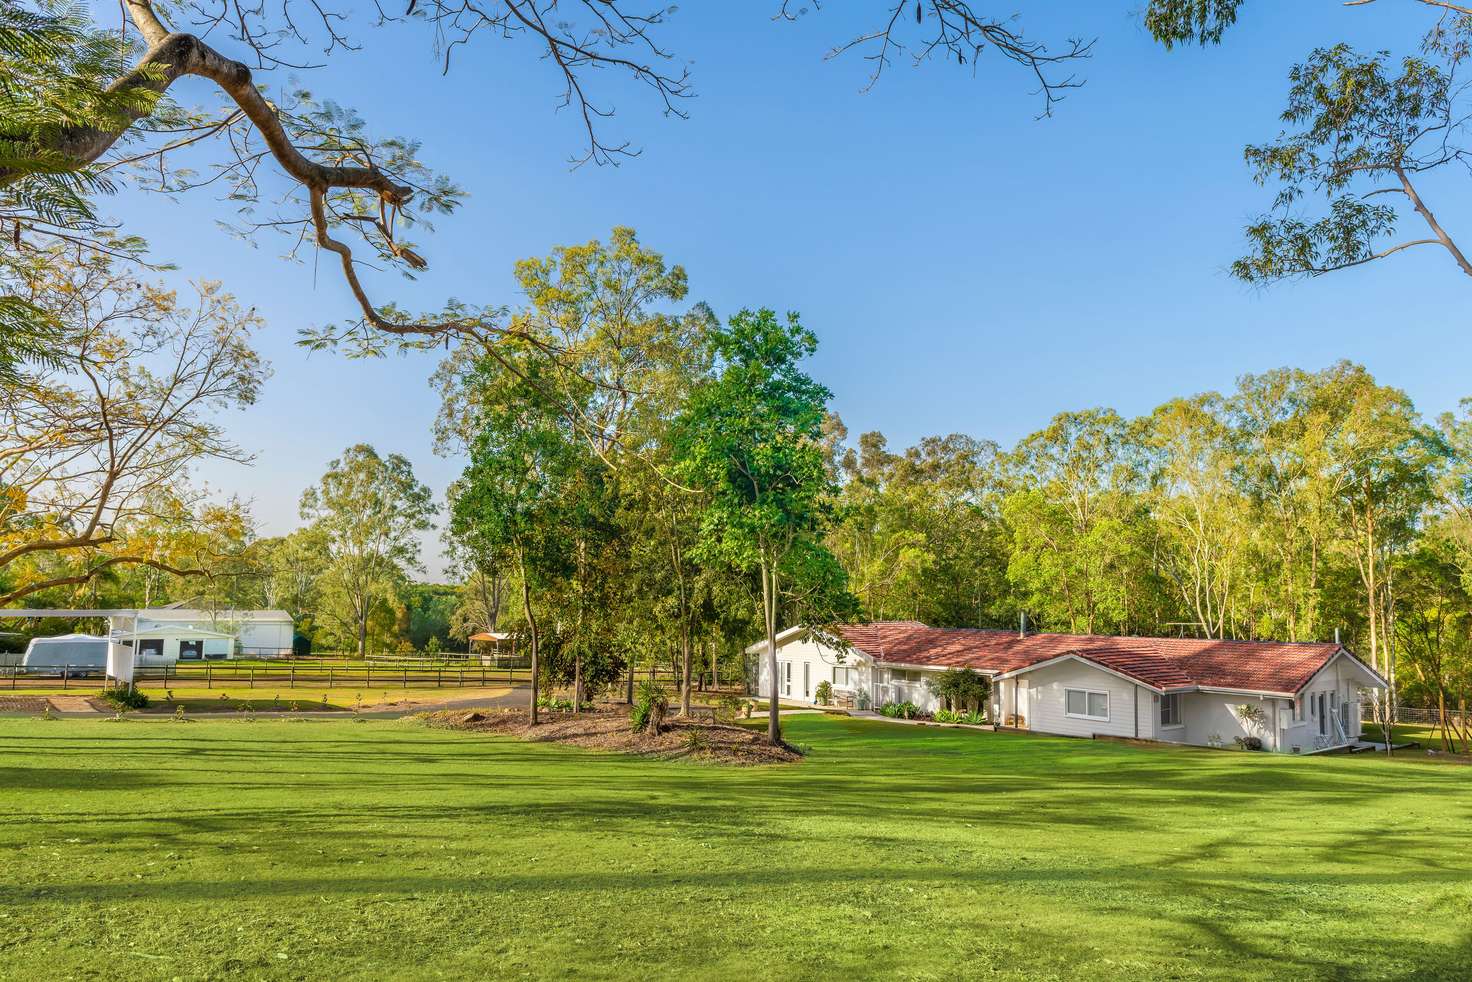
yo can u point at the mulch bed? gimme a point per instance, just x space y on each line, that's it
608 729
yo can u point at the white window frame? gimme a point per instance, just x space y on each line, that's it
1166 699
1086 714
1298 709
786 669
846 679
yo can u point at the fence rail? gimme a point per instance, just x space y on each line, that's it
213 675
1420 714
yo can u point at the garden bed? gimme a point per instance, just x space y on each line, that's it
608 729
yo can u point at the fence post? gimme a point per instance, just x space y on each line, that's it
439 678
369 683
329 676
291 681
482 674
462 678
252 676
66 671
209 675
406 676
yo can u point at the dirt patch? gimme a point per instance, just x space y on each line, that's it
608 729
79 704
22 704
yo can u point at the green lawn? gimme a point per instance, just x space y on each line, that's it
385 850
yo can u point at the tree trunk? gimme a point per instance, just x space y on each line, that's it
769 613
629 690
685 672
531 620
577 682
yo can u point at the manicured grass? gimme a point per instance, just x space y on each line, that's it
337 849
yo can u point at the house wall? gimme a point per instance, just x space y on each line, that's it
1340 681
1131 709
1209 716
820 660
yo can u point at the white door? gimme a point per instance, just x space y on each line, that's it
806 679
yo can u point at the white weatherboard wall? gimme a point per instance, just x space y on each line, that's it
1209 715
1045 709
819 661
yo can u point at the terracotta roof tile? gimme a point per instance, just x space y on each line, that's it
1164 663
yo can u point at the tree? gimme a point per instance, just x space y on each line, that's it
1198 509
369 511
97 444
1434 627
1360 126
920 532
508 508
749 438
963 688
1080 529
340 186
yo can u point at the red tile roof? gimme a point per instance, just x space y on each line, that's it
1163 663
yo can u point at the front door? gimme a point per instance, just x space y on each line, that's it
806 673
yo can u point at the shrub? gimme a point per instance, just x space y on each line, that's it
1251 714
559 705
864 701
651 704
1247 743
824 692
947 716
728 707
900 710
973 718
961 689
124 697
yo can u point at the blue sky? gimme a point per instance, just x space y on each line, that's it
966 267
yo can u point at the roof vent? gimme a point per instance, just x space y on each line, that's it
1022 625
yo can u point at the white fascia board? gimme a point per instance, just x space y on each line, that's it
782 638
1380 682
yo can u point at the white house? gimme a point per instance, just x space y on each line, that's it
1294 697
164 635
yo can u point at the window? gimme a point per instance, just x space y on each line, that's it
899 675
787 678
841 675
1086 703
1298 710
1170 709
807 688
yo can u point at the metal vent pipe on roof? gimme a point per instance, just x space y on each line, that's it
1022 625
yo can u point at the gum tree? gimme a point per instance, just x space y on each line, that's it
750 439
369 510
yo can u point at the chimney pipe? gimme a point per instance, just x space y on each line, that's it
1336 635
1022 625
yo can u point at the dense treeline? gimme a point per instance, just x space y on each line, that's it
647 484
1300 506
